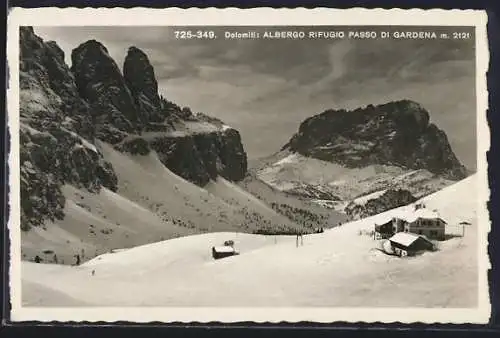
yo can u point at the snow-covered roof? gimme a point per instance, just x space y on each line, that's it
420 213
408 214
385 220
406 238
223 249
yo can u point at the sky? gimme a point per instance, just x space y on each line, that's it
266 87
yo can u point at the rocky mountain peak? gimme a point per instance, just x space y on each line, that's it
56 49
407 114
395 133
56 133
141 80
63 111
48 91
92 53
90 47
102 85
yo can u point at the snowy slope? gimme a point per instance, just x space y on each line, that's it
151 204
234 194
146 180
339 267
94 224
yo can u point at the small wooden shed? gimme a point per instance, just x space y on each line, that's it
409 244
384 230
223 251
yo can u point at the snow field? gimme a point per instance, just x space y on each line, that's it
339 267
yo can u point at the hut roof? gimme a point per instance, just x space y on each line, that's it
419 213
405 238
385 221
223 249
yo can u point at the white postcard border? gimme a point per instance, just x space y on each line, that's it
251 17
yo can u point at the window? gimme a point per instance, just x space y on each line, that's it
419 232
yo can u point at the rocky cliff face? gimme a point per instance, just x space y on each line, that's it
141 80
56 134
100 83
396 133
132 115
202 157
63 111
197 157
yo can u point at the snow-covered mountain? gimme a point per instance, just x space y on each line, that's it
340 267
106 162
397 133
340 157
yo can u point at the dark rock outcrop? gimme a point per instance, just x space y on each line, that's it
197 158
395 133
232 156
56 134
390 199
102 85
140 78
183 157
48 94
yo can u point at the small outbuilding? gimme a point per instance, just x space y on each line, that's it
223 251
408 244
384 230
